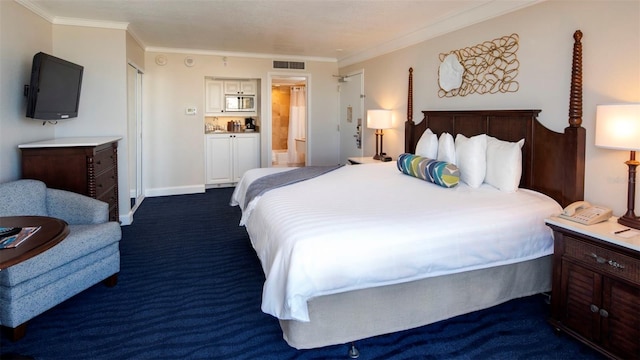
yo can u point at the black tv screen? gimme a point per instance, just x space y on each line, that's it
54 89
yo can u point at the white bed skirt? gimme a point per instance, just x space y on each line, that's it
345 317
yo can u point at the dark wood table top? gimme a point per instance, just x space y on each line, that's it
52 231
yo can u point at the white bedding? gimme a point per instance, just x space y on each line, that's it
370 225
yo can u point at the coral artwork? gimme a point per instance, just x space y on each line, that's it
486 68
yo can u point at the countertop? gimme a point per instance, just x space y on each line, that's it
71 141
230 132
609 231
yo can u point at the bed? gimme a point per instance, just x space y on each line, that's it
370 286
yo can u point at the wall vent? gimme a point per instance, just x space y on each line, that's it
298 65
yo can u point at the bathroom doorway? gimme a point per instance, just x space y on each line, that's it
288 121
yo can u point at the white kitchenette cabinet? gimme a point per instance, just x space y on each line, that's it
214 97
240 87
229 155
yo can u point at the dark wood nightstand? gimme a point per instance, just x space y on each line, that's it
596 285
356 160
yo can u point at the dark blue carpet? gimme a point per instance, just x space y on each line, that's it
190 288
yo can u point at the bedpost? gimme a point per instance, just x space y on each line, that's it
409 126
575 134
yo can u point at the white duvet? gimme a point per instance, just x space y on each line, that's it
370 225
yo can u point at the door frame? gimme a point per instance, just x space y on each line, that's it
135 149
266 126
356 116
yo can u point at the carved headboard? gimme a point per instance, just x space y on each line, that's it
552 162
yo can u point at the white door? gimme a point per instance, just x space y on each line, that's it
352 121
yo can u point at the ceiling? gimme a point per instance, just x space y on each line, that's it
346 31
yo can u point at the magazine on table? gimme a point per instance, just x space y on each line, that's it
15 236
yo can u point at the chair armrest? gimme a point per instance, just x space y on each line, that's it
76 209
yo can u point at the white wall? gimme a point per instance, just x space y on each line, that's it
16 54
103 100
174 142
102 109
611 73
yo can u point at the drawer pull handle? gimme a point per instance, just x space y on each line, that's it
615 264
604 313
594 309
599 259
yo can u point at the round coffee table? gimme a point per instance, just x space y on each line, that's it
51 232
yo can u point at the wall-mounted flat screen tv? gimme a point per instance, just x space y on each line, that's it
54 89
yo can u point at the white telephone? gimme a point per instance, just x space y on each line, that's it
584 213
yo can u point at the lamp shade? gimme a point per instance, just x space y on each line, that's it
618 126
379 119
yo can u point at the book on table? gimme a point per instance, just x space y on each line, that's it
15 236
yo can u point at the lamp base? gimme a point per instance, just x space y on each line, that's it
376 157
632 222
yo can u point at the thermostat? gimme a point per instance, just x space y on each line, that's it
191 111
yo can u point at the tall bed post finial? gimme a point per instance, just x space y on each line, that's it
575 101
409 125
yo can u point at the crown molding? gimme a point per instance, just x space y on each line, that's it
239 54
136 37
452 23
36 9
458 21
56 20
91 23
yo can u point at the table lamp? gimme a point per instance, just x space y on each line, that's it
379 120
618 127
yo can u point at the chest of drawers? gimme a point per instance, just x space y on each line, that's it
87 166
596 287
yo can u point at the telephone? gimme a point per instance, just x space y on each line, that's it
584 213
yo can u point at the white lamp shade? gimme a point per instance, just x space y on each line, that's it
379 119
618 126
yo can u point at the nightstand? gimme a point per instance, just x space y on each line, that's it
596 285
357 160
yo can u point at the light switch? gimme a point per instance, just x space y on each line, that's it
191 111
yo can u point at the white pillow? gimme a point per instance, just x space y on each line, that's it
504 164
471 158
446 148
427 146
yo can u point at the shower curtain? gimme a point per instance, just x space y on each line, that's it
297 121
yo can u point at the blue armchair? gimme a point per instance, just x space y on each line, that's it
88 255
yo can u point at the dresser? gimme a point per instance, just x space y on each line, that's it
84 165
596 285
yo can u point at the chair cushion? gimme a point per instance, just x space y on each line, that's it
81 241
23 197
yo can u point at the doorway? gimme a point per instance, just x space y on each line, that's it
134 135
289 109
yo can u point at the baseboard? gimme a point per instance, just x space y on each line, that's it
178 190
126 219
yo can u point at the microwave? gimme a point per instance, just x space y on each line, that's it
240 103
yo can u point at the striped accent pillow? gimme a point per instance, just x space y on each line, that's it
438 172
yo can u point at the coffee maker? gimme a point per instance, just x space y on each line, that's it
250 124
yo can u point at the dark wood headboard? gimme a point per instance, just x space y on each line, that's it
552 162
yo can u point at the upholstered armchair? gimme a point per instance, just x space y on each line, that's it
88 255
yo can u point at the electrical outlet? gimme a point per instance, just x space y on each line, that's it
191 111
